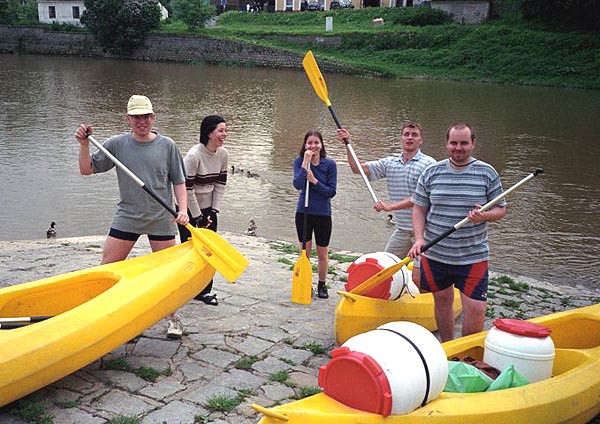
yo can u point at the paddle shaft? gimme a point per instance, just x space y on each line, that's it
383 275
18 322
305 215
484 208
354 158
27 320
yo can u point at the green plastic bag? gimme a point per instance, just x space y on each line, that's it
465 378
507 379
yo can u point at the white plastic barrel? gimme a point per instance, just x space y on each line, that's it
525 345
391 370
370 264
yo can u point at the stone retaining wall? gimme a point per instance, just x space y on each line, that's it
172 48
464 12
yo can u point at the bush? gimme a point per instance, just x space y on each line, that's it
195 13
121 26
569 14
18 12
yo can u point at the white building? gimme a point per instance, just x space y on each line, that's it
60 11
70 11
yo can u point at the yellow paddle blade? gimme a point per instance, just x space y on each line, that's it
314 75
380 277
218 253
302 280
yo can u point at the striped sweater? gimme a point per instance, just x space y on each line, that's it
206 176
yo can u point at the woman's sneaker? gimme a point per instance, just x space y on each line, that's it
322 291
174 330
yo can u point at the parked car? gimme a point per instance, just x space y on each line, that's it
314 6
341 4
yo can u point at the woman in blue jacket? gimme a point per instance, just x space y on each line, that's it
312 164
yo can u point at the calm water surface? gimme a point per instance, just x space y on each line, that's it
552 229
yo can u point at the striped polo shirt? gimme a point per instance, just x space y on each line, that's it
401 181
449 195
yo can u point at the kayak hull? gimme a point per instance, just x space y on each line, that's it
93 311
357 314
571 396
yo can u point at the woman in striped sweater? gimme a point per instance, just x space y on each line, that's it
206 177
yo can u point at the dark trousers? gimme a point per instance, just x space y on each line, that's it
184 234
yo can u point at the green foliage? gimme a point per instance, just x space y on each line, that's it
280 246
280 376
195 13
32 409
507 50
246 362
125 419
315 348
15 12
120 26
355 18
342 258
119 364
285 261
307 391
568 14
223 403
148 373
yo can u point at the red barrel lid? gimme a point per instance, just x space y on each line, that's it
522 328
356 380
361 272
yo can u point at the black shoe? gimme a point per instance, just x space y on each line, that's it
322 291
209 299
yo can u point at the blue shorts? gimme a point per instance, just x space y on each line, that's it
471 280
126 235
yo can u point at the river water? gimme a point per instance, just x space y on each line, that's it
551 231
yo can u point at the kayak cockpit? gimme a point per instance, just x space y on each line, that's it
55 295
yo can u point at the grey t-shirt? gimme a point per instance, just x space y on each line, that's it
159 165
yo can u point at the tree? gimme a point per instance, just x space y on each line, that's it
18 12
120 26
570 14
194 13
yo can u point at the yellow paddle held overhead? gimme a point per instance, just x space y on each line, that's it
315 77
318 82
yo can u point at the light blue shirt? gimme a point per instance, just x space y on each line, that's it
402 178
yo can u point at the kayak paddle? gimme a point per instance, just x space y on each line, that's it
302 278
212 247
384 274
318 82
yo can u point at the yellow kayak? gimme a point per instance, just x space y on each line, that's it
357 314
571 396
95 310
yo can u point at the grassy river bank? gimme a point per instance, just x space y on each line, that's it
420 43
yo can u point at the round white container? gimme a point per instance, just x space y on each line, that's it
523 344
370 264
389 371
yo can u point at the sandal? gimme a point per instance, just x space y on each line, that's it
209 299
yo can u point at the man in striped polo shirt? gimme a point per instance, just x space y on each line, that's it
402 172
447 192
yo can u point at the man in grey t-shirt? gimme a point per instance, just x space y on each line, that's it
156 160
447 192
